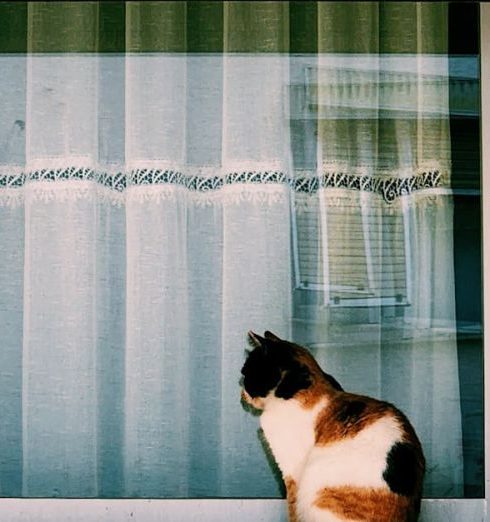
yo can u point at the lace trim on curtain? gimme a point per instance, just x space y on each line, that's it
388 187
159 184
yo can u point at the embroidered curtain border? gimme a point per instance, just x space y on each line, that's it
388 187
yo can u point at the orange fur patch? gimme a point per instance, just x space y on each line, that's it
365 504
292 498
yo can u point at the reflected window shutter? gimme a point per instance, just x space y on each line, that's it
391 272
356 255
346 247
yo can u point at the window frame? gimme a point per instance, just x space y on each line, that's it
266 510
485 195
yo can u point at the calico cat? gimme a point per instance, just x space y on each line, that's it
343 457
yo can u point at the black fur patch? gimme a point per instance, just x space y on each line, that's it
334 383
296 379
350 411
260 373
272 364
401 469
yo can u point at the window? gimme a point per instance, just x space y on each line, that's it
175 174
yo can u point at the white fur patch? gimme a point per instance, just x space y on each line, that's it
290 432
357 462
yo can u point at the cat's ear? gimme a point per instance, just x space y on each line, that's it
271 336
255 340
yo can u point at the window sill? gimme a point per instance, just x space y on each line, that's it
194 510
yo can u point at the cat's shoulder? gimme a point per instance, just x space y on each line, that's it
348 414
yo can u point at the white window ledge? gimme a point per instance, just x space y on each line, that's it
216 510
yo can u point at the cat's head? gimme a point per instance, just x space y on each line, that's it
276 368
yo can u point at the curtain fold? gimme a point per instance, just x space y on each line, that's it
158 204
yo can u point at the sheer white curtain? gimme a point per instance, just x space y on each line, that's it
155 207
152 233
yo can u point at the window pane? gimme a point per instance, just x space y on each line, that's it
320 180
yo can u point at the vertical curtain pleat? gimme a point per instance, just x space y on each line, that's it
59 383
205 285
59 394
48 30
156 441
12 310
251 27
255 227
157 350
110 320
156 26
434 356
256 247
204 238
12 159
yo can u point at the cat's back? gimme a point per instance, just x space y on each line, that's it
366 464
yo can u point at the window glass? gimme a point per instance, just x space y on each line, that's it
175 174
